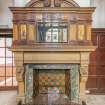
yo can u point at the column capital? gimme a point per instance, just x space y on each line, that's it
84 70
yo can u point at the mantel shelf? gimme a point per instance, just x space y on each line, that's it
55 49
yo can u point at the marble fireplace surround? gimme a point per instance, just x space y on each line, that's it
74 79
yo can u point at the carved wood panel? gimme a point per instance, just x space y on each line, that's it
96 80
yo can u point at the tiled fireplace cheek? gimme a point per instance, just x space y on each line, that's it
51 81
59 78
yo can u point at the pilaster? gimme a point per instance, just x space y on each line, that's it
83 75
20 76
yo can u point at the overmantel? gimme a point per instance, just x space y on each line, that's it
75 21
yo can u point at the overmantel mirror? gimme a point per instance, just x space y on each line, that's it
52 28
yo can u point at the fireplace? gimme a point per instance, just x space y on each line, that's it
51 45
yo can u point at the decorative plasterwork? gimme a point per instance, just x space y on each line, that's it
52 3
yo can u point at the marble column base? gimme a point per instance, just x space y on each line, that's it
52 99
20 99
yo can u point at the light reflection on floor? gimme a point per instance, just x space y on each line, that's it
52 98
9 98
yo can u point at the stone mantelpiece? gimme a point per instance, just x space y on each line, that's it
31 44
23 58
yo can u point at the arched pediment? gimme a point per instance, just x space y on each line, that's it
52 3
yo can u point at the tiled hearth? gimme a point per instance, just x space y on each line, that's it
52 83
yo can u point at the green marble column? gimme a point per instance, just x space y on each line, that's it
29 84
74 82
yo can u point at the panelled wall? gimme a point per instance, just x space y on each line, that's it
96 80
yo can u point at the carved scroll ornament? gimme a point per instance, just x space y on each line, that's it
20 74
52 3
84 70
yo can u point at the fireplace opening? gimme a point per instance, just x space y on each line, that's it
51 85
51 81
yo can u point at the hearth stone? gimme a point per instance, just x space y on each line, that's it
54 104
43 99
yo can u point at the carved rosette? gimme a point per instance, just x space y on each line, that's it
20 73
